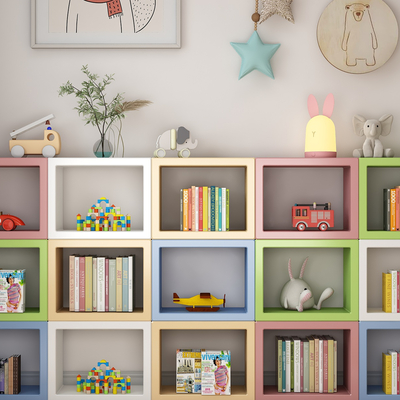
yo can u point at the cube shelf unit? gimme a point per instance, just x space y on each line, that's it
376 337
125 345
238 337
169 176
75 184
346 333
282 182
376 174
59 251
332 263
24 195
30 340
189 267
32 256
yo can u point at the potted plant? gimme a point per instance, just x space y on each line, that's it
95 110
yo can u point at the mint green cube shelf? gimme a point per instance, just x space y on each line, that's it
332 263
32 256
376 174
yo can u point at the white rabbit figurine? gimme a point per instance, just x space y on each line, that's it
297 295
320 130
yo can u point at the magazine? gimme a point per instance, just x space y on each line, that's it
12 291
216 372
188 371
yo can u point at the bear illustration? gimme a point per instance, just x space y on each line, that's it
359 39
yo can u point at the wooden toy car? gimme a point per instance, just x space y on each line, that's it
201 302
48 147
10 222
308 216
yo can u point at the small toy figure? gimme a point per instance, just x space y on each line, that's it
372 129
10 222
308 216
201 302
173 139
297 294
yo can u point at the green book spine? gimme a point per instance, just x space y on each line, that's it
112 285
227 209
278 349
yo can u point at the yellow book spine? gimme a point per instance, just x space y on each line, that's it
387 373
119 284
185 209
88 283
205 208
392 209
386 292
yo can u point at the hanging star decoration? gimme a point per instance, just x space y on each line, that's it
279 7
255 54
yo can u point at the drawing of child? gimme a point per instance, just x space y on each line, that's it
13 294
221 377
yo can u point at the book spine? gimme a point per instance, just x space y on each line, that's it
205 208
209 209
112 285
301 366
94 285
193 208
392 209
386 373
71 283
397 208
2 376
201 208
292 365
216 208
220 209
76 291
6 376
88 283
212 208
125 285
10 375
227 209
17 373
312 364
330 365
196 209
283 366
81 284
386 292
316 365
325 372
334 366
321 366
278 348
119 284
223 205
106 284
190 209
131 283
393 365
101 282
296 371
394 291
386 209
181 210
185 209
288 389
306 373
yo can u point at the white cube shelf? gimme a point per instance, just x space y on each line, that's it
76 347
376 256
75 184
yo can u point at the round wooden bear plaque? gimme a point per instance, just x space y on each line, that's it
357 37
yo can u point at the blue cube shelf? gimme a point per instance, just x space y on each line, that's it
197 266
28 392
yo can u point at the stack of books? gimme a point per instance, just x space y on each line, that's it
204 209
10 374
101 284
306 365
390 291
391 209
390 372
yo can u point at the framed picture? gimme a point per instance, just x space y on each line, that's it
105 23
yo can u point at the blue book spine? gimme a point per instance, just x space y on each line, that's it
213 208
125 284
220 209
283 366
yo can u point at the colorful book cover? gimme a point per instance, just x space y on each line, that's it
205 208
212 205
12 290
387 373
278 358
77 277
215 372
190 209
219 209
201 208
386 292
101 284
119 284
185 209
112 279
94 285
88 283
125 284
227 209
306 364
131 283
188 371
107 271
71 283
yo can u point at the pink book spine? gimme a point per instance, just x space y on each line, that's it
81 283
193 213
201 208
106 284
301 366
397 209
316 364
190 209
72 283
325 366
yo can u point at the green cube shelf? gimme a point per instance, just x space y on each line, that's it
318 274
32 256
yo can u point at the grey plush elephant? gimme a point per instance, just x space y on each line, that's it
175 139
297 294
372 129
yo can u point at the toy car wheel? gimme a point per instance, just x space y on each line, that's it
48 151
17 151
159 153
184 153
8 225
301 226
323 226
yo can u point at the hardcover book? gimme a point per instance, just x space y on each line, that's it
215 372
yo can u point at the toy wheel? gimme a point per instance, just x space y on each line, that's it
323 226
184 153
48 151
17 151
8 225
160 153
301 226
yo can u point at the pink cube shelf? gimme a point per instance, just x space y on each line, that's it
348 357
22 198
282 182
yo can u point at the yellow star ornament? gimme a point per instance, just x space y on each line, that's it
255 55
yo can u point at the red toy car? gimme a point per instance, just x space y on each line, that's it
10 222
309 216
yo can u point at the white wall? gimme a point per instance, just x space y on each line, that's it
197 86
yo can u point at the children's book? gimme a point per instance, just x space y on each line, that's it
12 291
215 372
188 371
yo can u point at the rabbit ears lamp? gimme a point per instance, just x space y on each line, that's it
320 130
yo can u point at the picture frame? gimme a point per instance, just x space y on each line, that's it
98 24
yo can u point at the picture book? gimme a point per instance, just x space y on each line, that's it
215 372
12 291
188 371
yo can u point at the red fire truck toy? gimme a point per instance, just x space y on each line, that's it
10 222
308 216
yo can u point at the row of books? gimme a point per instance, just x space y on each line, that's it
390 291
203 371
391 209
101 284
306 365
390 372
204 208
10 374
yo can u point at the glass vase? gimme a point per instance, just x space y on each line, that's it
103 148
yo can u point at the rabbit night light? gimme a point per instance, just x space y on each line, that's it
297 294
320 130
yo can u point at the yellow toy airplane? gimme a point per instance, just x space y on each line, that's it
201 302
